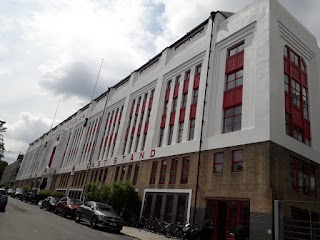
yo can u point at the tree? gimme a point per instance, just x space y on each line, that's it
2 129
3 165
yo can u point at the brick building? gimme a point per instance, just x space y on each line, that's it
216 126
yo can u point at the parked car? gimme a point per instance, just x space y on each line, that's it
99 214
18 193
3 200
49 203
67 207
32 197
10 191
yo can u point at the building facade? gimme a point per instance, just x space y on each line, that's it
216 126
10 172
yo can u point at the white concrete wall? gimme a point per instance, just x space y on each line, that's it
286 30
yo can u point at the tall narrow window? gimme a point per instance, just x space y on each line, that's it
180 132
163 171
173 171
237 161
123 172
174 104
184 170
288 124
144 141
137 143
184 100
218 163
195 96
153 172
178 79
129 172
191 129
130 144
135 174
170 135
161 136
232 119
297 133
165 108
305 103
116 174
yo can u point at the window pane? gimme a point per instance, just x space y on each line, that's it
218 168
237 119
229 112
231 77
230 85
228 121
239 81
232 52
238 110
239 74
237 155
218 158
227 128
241 47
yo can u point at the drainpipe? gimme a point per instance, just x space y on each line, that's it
202 122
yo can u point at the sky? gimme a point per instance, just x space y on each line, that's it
51 51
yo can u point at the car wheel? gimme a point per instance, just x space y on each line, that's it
56 211
64 213
117 231
93 222
78 217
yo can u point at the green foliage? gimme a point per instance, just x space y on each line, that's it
26 188
57 194
121 196
3 165
43 194
2 148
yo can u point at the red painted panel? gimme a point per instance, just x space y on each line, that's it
166 99
146 125
150 102
297 117
196 81
182 114
232 97
235 62
127 133
137 108
139 130
115 118
143 105
286 66
288 103
172 117
185 86
295 72
163 121
193 111
132 130
176 91
307 132
304 79
120 117
131 112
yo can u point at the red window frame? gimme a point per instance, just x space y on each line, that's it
237 161
192 126
218 162
135 174
232 116
153 172
305 103
185 170
296 93
163 171
173 171
184 100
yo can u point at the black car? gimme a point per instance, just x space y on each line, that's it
49 203
99 214
3 200
31 197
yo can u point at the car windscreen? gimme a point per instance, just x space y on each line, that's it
104 207
3 192
75 201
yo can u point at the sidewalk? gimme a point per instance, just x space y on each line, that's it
141 234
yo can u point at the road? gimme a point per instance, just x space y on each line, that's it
24 221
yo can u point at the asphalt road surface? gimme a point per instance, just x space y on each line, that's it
24 221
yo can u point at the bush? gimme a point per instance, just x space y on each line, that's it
57 194
121 196
26 188
43 194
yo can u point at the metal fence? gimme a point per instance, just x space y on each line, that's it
296 220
